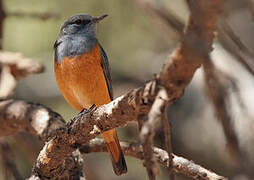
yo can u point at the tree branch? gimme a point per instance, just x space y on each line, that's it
217 92
179 164
167 140
14 66
19 116
232 43
165 16
34 112
20 66
148 131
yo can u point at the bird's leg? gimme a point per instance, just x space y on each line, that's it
84 111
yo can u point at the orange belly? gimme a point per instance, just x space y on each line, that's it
81 80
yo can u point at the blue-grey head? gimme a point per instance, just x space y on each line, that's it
77 36
81 24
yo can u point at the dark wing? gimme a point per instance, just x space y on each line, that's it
106 71
56 44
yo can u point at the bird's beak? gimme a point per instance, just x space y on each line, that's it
99 18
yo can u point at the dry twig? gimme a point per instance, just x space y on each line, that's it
179 164
148 131
163 15
232 43
217 92
167 141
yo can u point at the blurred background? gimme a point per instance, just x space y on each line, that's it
137 41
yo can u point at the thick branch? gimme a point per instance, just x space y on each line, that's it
19 116
196 45
179 164
71 169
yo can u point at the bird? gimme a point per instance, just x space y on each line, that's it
83 74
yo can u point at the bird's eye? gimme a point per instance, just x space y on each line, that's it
78 22
87 21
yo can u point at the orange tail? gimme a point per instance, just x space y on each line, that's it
115 152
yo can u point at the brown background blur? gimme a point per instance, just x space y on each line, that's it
137 45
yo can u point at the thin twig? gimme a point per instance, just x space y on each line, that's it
216 91
233 36
167 140
164 15
232 43
179 164
147 132
226 36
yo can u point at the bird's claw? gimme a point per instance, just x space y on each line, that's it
85 111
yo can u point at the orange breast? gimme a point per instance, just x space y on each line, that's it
81 80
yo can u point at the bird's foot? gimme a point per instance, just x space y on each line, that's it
83 112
